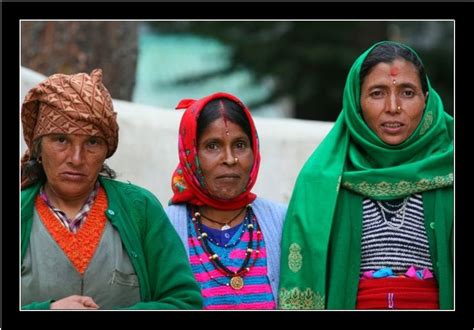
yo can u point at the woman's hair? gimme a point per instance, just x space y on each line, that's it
219 108
387 53
33 169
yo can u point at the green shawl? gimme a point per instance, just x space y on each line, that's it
320 254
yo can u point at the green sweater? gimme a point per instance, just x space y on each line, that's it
154 247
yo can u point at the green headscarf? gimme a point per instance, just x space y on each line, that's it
320 255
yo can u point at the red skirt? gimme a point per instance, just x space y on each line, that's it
397 293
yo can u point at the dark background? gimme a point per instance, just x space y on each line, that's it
306 61
12 13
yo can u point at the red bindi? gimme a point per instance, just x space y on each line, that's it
394 71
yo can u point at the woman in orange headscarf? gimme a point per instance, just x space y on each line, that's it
88 241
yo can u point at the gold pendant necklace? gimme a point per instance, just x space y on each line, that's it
237 282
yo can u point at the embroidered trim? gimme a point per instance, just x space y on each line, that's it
427 122
384 188
79 248
295 259
297 299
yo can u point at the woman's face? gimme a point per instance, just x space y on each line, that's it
72 163
392 100
225 158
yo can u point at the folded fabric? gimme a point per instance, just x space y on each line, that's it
422 274
368 274
397 293
383 272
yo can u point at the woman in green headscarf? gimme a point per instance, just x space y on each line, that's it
370 221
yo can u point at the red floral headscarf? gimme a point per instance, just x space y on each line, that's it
187 181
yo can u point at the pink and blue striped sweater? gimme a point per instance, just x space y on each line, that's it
270 217
216 291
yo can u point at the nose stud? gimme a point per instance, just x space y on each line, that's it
236 159
398 108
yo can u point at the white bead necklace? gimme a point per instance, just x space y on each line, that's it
401 210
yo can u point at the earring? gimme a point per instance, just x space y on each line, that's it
39 160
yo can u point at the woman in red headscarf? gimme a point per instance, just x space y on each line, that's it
232 237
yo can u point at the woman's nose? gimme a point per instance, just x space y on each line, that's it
229 158
77 154
393 105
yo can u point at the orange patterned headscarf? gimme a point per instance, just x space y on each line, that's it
70 104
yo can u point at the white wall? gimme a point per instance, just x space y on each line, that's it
147 153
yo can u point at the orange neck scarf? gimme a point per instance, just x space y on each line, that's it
80 247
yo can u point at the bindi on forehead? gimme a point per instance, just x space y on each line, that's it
394 71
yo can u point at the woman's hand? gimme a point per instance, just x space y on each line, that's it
75 302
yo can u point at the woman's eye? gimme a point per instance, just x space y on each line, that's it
93 141
211 146
376 94
61 139
241 145
408 93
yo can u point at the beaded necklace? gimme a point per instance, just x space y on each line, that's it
398 211
236 278
197 215
225 225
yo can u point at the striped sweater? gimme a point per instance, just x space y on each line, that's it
387 241
216 291
270 217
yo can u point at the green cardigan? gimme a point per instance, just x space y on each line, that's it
154 247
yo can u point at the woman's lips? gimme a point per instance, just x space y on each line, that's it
73 176
392 127
228 177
